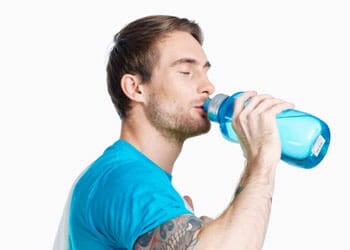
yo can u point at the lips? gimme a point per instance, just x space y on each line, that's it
199 106
200 110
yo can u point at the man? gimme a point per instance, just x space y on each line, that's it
157 79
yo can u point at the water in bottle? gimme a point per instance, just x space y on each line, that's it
304 138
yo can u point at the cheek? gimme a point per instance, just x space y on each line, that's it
179 85
174 89
174 106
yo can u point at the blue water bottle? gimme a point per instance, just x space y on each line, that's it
304 137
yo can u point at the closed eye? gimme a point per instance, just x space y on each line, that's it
185 72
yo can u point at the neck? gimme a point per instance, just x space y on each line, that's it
148 140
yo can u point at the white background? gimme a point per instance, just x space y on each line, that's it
56 115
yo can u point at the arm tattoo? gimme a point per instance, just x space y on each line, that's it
176 234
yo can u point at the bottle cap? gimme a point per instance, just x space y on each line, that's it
214 105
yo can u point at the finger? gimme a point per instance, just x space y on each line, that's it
241 101
189 201
263 103
281 106
253 102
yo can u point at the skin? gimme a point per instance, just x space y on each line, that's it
167 111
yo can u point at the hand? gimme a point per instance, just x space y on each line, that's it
204 219
255 124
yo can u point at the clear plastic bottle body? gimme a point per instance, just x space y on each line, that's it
304 138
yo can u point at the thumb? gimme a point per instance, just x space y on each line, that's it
189 201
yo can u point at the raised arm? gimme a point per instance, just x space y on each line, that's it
244 223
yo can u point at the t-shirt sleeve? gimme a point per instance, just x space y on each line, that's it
133 200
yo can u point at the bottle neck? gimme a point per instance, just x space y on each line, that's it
212 106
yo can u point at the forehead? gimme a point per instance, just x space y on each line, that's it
177 45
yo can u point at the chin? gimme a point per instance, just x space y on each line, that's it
203 129
192 128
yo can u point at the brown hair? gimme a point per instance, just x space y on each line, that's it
135 51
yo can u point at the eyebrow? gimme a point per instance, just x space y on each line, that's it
188 60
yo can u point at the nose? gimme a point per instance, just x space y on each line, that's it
207 87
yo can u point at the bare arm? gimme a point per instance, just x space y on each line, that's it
244 223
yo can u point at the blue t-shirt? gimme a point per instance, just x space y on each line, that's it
120 197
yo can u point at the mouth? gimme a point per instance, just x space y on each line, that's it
200 110
201 107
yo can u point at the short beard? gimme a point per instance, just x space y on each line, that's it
175 126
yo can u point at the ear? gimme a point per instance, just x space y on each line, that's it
132 87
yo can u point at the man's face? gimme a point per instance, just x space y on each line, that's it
178 88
